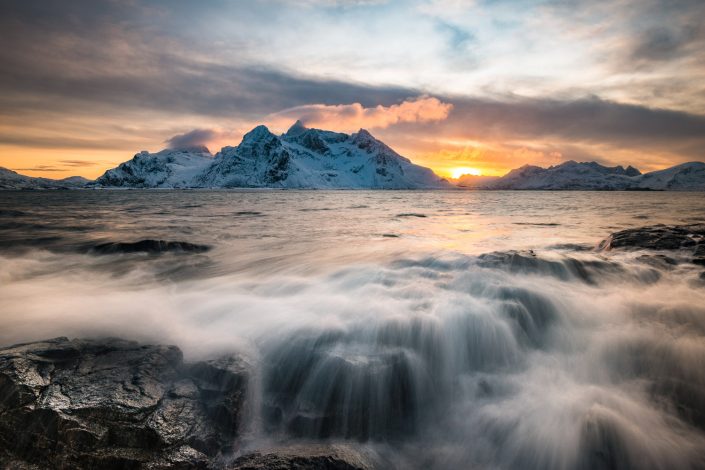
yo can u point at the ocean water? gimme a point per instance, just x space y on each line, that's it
436 329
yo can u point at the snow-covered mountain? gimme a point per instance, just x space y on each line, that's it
593 176
170 168
12 180
300 158
684 177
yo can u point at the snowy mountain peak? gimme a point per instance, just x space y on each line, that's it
258 134
296 129
363 136
631 171
366 141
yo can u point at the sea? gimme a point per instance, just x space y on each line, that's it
430 329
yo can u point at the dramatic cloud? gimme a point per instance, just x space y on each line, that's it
350 117
500 134
510 80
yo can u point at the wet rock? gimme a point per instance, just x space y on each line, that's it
689 238
657 237
699 254
148 246
563 268
116 404
311 457
658 261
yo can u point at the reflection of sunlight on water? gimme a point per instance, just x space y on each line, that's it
565 359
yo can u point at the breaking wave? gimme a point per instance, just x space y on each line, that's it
503 360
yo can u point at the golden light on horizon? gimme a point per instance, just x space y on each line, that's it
456 173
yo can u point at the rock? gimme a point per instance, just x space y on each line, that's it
116 404
661 237
657 237
658 261
310 457
148 246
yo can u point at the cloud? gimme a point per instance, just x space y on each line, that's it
599 78
583 129
78 163
40 168
350 117
662 44
194 138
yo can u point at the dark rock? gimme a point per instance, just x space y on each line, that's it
312 457
658 261
116 404
699 254
563 268
690 238
657 237
148 246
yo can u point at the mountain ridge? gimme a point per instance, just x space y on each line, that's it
11 180
309 158
301 158
572 175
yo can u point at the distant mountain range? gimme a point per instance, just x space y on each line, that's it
318 159
12 180
593 176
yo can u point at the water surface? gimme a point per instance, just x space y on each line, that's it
434 329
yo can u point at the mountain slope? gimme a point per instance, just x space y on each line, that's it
300 158
170 168
12 180
684 177
567 175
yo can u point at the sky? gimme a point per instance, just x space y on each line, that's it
477 84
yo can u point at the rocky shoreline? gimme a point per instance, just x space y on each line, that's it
116 404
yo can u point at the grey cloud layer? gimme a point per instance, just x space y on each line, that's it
84 58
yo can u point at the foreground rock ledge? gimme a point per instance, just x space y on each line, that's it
116 404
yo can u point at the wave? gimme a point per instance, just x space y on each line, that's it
504 360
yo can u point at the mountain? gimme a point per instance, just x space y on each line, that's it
170 168
684 177
299 158
12 180
593 176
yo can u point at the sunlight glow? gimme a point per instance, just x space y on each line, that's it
464 170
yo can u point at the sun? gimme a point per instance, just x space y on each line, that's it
464 170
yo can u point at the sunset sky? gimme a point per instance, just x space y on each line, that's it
486 85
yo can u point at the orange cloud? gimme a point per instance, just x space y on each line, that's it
351 117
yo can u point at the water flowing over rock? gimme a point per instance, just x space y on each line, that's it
148 246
